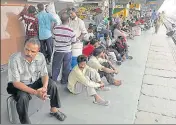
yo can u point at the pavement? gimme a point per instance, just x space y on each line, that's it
147 95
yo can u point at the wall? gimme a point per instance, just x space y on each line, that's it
12 32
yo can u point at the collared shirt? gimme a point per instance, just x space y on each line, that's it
96 63
20 70
45 23
78 26
78 76
31 23
64 37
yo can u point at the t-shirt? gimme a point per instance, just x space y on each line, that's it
31 23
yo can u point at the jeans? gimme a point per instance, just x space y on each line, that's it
60 58
22 98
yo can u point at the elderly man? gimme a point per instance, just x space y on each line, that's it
77 25
82 76
28 75
103 66
45 32
64 38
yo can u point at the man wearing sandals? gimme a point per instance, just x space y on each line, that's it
82 77
103 66
28 75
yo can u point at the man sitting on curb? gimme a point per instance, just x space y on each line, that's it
103 66
83 77
28 75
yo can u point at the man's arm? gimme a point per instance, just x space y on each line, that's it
53 19
23 12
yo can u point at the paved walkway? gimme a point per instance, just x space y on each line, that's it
147 95
157 102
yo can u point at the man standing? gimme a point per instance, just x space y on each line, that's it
153 17
77 25
64 38
31 22
83 77
99 17
28 75
45 32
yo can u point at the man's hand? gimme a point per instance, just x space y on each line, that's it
101 85
116 71
42 93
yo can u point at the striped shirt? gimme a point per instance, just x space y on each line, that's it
64 37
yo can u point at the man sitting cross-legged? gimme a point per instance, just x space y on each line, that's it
83 77
103 66
28 75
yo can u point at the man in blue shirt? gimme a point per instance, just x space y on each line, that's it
153 17
46 21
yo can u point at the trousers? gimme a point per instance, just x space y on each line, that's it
60 58
109 76
47 48
90 75
22 98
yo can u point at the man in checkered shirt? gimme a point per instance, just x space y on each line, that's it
31 22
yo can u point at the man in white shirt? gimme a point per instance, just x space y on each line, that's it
77 25
83 77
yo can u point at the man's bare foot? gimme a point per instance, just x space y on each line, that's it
117 82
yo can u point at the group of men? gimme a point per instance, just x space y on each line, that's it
27 70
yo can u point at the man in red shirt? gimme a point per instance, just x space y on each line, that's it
31 22
88 49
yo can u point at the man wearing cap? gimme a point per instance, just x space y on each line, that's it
99 17
103 66
83 77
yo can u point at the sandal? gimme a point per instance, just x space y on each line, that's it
59 115
102 102
130 57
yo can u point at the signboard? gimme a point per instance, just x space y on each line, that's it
135 6
151 1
